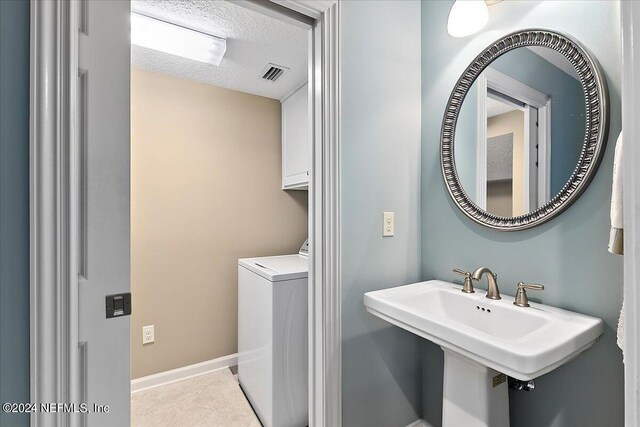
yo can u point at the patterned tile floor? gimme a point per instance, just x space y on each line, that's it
211 400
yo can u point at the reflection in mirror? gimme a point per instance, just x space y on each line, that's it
520 131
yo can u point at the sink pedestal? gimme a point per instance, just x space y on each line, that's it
473 395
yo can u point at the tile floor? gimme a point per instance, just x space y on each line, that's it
212 400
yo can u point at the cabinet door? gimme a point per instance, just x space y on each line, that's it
295 140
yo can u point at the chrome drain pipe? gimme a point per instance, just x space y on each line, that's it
519 385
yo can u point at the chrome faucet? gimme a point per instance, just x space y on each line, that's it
467 288
521 295
492 280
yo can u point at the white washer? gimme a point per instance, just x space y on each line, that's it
273 337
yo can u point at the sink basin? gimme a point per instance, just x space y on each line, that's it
523 343
483 340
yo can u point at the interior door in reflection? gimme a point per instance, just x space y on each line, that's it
511 155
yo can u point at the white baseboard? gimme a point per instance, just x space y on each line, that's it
180 374
419 423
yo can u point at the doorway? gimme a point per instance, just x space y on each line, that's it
82 119
219 105
514 154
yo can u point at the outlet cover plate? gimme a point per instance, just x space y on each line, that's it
388 224
148 334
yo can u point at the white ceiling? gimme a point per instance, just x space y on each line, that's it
495 107
555 58
253 41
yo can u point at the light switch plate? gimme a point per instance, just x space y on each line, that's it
148 334
388 224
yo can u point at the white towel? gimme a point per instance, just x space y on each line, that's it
616 235
620 339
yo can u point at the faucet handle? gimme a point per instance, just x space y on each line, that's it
462 272
467 288
521 294
532 286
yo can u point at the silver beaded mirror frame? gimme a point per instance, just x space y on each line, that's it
595 92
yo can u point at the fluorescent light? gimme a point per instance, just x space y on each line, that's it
181 41
467 17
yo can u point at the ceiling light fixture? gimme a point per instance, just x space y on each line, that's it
166 37
468 17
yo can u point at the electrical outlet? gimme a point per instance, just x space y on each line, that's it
388 224
148 334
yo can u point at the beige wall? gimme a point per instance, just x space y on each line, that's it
205 191
512 122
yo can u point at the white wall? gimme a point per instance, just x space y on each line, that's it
380 125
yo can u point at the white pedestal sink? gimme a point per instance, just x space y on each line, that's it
483 341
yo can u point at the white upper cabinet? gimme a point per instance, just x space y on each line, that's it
295 140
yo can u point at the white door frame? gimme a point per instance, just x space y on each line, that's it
493 79
55 202
630 17
53 207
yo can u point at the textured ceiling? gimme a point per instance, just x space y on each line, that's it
495 107
253 41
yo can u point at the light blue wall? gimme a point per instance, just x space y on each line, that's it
380 125
568 254
466 153
567 108
14 207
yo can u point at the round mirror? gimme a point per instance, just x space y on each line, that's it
524 130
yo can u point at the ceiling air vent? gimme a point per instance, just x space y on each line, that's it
273 72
